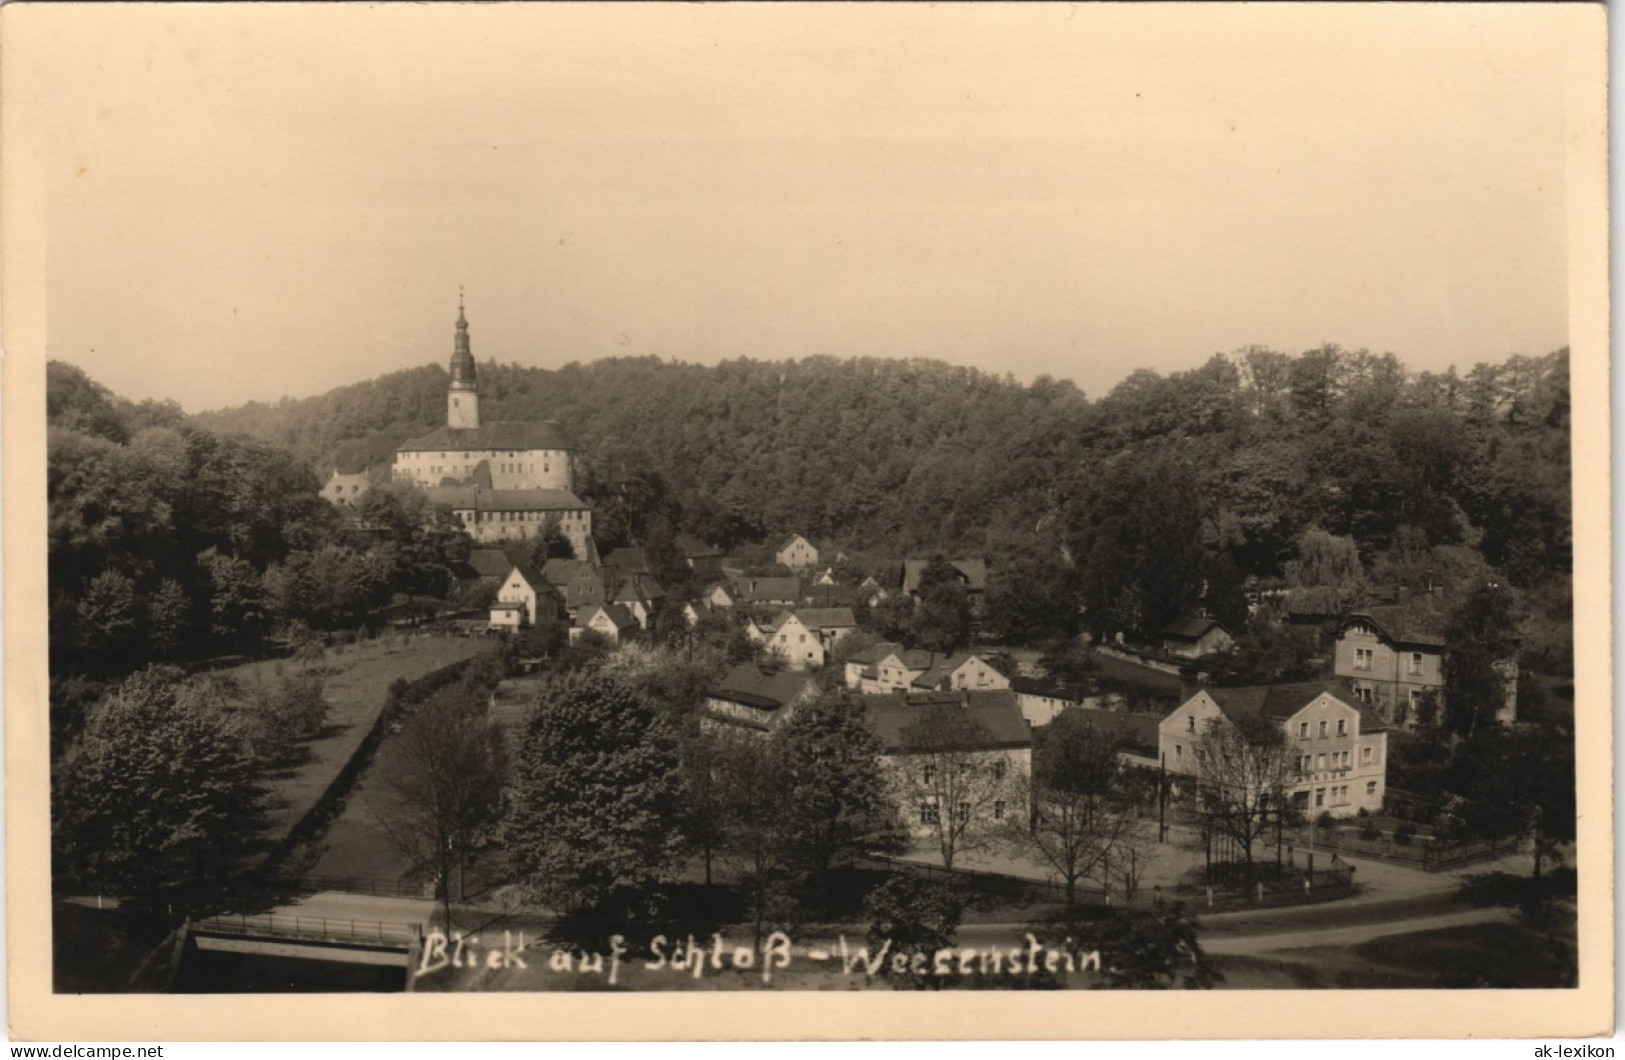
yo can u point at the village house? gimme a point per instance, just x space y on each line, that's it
1005 748
625 562
614 622
720 597
1338 747
641 595
960 671
1041 698
832 624
697 611
702 559
524 599
750 702
862 664
1192 638
578 581
1393 657
759 592
971 573
796 553
896 670
789 638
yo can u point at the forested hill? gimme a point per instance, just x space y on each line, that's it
1254 446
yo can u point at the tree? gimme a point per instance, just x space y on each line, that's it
168 618
236 596
108 614
160 789
1481 660
551 543
443 776
1148 951
596 801
835 786
1080 811
1327 575
1244 768
915 917
760 826
942 618
1517 782
961 788
1139 534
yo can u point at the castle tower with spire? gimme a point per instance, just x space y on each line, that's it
503 480
463 396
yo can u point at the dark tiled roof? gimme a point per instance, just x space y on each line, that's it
533 576
974 572
617 613
506 436
571 572
892 713
630 560
826 617
870 656
639 587
769 588
693 548
1280 702
1132 732
1043 686
1403 625
747 685
494 562
1190 628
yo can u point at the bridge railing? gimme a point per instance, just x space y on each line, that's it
315 928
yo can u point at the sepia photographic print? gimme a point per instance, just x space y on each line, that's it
812 502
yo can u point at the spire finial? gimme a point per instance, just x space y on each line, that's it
462 321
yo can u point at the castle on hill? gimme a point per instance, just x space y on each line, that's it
503 480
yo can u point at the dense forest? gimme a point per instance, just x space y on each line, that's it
1136 499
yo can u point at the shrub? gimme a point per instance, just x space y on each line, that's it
1404 834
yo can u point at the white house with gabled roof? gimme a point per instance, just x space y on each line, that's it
1338 746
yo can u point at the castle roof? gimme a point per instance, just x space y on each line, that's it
504 435
474 498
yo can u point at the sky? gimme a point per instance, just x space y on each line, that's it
247 202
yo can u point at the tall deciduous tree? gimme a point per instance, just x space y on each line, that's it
1244 767
1081 809
596 801
836 788
443 775
159 790
1140 538
1480 665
